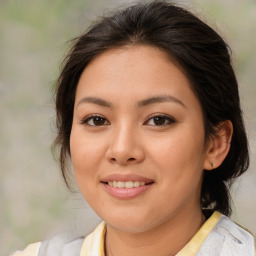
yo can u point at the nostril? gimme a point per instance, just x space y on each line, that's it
131 159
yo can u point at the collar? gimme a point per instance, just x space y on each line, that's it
93 244
193 246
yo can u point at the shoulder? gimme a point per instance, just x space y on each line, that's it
62 244
59 245
236 234
31 250
229 238
232 227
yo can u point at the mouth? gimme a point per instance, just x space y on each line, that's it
126 186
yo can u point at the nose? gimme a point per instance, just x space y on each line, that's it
125 147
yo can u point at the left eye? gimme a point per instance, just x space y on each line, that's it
160 120
95 121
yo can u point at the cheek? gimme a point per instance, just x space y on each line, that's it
184 149
180 171
85 154
179 157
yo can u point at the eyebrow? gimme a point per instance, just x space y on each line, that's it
96 101
142 103
158 99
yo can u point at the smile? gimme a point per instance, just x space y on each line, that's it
126 184
126 190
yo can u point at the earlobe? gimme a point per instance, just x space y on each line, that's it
219 145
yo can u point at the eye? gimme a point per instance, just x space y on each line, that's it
160 120
95 120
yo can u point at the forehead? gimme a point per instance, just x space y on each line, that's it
135 72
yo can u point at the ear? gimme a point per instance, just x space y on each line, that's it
219 145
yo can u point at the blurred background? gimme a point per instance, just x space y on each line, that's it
34 35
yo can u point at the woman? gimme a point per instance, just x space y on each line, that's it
148 111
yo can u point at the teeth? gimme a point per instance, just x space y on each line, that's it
136 184
129 184
120 184
126 184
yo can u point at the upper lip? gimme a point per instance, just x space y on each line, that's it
126 177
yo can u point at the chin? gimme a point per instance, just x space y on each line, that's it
130 223
128 226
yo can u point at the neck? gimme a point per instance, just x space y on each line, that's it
167 239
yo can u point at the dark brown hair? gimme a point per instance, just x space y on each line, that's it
199 51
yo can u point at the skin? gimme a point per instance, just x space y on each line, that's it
129 141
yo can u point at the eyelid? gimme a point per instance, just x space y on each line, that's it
167 117
87 118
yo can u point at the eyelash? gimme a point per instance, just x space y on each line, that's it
92 117
170 120
167 118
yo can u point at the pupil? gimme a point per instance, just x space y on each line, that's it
98 121
159 120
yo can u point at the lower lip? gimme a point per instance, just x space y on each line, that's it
126 193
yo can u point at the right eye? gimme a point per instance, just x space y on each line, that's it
94 120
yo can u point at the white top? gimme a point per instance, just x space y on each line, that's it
219 236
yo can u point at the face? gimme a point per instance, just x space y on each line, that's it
137 141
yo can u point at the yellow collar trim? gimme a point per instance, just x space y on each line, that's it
93 244
193 246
